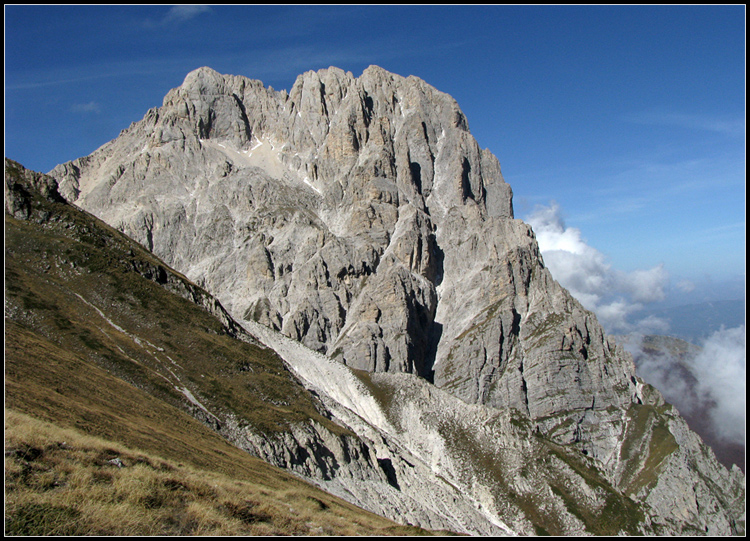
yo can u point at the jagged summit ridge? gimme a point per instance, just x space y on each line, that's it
359 217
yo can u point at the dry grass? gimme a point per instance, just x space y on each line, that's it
62 482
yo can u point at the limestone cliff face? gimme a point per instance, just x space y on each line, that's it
359 217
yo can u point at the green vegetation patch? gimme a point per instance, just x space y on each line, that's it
618 515
383 393
647 434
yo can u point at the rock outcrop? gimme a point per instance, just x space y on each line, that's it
359 217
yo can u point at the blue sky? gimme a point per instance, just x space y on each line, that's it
627 122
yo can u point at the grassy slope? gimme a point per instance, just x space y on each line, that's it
93 345
60 481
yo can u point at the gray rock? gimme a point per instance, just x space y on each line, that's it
22 185
359 217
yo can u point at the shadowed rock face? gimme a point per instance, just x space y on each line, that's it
359 217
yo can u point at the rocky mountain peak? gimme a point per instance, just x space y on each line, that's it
359 217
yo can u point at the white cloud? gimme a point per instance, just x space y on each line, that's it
665 372
686 286
90 107
651 325
180 14
177 15
643 285
720 370
728 125
612 294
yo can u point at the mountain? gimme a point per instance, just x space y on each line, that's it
104 338
354 227
359 217
697 321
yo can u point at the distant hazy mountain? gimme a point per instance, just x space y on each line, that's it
696 322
